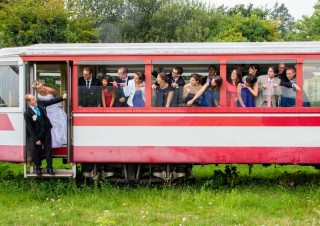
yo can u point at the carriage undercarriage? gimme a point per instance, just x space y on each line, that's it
138 173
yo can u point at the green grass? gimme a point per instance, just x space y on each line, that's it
276 195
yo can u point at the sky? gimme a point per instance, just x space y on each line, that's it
297 8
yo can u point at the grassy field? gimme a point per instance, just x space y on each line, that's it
274 195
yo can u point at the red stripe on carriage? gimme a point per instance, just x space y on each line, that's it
5 123
11 153
196 154
196 121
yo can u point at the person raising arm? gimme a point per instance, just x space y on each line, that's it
216 82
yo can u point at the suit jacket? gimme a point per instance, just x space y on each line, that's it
262 93
89 97
38 126
120 92
177 94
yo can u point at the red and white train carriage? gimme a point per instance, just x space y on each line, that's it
162 143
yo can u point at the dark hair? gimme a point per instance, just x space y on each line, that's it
251 79
292 69
239 76
275 69
257 67
141 76
196 77
108 78
179 69
88 69
163 76
124 70
218 80
212 66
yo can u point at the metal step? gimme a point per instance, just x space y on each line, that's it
59 173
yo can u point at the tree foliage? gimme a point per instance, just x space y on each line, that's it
308 28
25 22
247 11
281 15
183 22
136 25
192 21
238 28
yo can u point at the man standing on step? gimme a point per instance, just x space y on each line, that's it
39 129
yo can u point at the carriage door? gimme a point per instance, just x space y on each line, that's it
56 75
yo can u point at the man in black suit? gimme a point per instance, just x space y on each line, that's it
121 83
89 89
39 129
177 82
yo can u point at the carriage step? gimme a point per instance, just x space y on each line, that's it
57 172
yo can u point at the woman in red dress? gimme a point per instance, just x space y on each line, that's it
232 83
108 90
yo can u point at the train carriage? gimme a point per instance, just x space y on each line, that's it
155 143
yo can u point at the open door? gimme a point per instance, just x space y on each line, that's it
57 76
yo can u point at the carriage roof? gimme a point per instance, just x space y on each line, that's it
165 48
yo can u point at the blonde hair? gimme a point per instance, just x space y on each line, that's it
35 83
27 97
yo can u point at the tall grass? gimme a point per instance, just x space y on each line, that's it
276 195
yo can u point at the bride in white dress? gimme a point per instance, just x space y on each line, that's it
56 114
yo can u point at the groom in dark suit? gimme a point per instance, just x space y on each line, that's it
89 89
39 129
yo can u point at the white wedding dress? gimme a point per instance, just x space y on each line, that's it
58 119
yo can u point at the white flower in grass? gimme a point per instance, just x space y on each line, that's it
184 219
34 117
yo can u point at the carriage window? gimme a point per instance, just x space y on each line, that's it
116 85
311 83
261 83
9 86
186 84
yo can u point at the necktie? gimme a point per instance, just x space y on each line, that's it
269 94
37 110
88 84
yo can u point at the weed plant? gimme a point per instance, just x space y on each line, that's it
214 195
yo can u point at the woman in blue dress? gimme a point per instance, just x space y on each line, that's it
215 84
247 91
136 91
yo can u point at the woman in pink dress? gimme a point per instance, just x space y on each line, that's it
108 91
232 83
